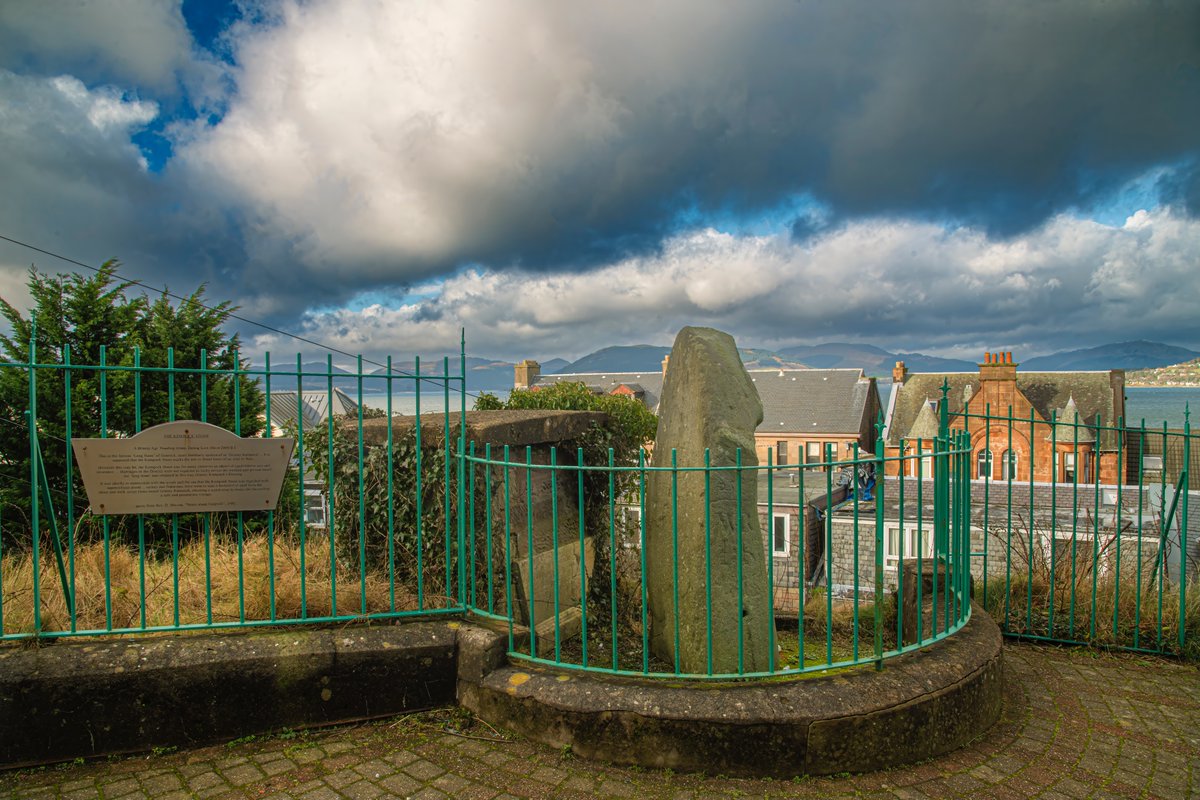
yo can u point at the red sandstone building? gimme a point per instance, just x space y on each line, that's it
1063 425
807 413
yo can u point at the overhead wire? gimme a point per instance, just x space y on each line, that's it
240 318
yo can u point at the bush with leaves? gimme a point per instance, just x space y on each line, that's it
364 510
629 428
93 319
630 424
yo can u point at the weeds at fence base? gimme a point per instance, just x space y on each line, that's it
1138 624
202 586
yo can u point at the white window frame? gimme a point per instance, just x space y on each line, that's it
1009 463
310 520
925 456
891 554
979 461
1066 461
787 534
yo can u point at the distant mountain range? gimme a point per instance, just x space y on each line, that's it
626 358
879 362
873 360
485 374
1123 355
648 358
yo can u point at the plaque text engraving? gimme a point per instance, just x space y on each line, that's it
182 467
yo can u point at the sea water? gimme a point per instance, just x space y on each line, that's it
433 401
1153 404
1161 404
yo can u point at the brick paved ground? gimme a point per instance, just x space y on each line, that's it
1076 724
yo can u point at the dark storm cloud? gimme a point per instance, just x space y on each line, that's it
367 145
557 136
1181 187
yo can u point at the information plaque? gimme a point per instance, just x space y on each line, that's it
182 467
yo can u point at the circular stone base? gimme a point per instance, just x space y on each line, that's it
922 704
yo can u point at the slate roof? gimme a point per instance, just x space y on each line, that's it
817 401
650 383
1071 427
1047 392
314 405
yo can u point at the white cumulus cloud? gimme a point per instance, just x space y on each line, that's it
899 284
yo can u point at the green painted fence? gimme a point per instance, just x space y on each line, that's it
418 524
835 624
1093 541
321 556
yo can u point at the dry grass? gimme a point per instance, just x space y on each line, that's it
1154 629
201 587
842 619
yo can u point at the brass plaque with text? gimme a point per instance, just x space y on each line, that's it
182 467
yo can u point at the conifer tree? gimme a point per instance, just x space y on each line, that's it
95 320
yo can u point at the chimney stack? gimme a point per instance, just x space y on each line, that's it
899 372
526 373
998 366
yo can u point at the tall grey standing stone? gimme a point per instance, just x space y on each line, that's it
708 401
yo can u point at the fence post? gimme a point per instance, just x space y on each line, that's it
462 449
879 522
1185 482
34 512
941 480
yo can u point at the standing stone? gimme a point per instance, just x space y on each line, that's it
708 401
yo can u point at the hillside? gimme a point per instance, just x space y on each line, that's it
766 359
1121 355
620 358
874 360
1185 374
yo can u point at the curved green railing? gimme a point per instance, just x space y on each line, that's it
1094 546
861 539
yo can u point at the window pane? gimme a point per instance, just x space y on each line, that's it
984 464
1009 464
893 543
779 543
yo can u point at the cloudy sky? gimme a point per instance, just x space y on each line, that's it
947 177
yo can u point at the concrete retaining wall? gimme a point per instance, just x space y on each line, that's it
88 698
921 705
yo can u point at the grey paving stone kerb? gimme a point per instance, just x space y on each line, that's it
1075 724
924 703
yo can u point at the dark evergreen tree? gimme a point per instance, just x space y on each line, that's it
93 321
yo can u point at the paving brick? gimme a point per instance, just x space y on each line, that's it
1075 724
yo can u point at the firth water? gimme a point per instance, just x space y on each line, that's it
1153 404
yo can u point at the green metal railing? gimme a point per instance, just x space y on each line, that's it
597 617
1088 539
297 564
1092 545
